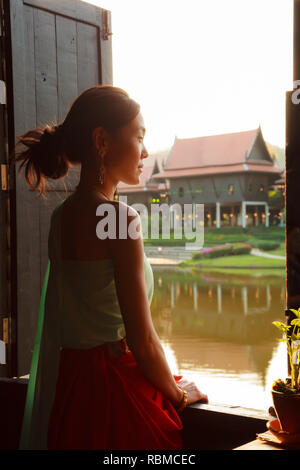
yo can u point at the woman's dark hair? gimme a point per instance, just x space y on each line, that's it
52 149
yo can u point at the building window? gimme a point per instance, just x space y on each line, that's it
181 192
230 189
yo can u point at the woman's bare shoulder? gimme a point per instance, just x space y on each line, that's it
127 234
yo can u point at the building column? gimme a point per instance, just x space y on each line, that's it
218 215
267 214
244 220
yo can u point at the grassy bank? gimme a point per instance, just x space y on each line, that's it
213 236
257 237
241 264
239 261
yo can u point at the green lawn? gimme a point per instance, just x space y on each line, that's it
213 236
238 262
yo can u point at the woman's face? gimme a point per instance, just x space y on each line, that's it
126 152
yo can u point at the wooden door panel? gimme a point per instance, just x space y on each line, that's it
67 68
45 66
75 9
87 56
57 51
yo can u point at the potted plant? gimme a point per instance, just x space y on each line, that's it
286 394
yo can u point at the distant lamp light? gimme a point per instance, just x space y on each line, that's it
231 215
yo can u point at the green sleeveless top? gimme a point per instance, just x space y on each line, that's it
78 309
86 298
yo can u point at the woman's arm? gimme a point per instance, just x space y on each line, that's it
142 339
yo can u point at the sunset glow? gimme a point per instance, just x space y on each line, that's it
204 67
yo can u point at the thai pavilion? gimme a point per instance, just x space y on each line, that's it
230 174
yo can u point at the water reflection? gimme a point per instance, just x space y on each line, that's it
217 329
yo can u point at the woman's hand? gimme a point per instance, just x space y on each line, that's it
194 394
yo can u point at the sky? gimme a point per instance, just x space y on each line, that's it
204 67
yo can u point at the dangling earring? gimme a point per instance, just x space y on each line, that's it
102 154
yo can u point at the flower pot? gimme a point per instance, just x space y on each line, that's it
287 407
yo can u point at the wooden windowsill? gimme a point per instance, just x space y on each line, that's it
205 426
221 427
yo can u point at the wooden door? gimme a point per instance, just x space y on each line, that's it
58 49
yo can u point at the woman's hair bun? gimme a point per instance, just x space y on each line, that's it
53 132
44 156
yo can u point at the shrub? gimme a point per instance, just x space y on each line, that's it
241 249
222 250
268 246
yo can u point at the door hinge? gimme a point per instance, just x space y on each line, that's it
4 177
105 24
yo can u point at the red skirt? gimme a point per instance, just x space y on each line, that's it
104 402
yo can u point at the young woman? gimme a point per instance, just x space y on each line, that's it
99 378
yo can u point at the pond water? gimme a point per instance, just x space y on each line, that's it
216 329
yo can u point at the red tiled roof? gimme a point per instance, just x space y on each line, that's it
210 150
224 153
